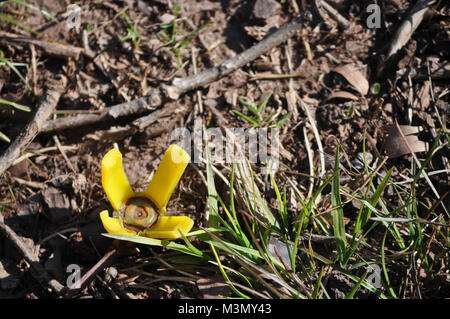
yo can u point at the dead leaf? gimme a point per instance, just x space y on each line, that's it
354 77
342 95
396 145
58 205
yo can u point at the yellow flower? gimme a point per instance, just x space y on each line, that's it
144 213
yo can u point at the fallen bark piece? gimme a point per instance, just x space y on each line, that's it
354 77
398 143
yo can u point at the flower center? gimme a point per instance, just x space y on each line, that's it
139 214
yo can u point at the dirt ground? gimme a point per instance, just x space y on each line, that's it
52 198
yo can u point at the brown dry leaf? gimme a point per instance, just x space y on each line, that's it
342 95
354 77
395 144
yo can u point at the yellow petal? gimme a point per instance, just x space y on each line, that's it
167 176
167 227
114 181
114 225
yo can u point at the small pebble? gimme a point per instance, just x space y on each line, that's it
110 274
358 163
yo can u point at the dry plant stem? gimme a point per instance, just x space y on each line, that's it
405 31
88 276
311 163
312 122
39 272
44 110
270 76
42 151
59 146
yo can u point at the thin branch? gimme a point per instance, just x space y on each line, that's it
138 106
90 275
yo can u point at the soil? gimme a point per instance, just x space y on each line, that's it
53 202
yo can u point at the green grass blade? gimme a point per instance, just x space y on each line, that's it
281 120
356 287
12 67
15 105
249 106
263 104
5 138
338 213
225 276
158 242
20 25
45 13
245 117
383 265
213 220
189 38
315 292
366 212
282 208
